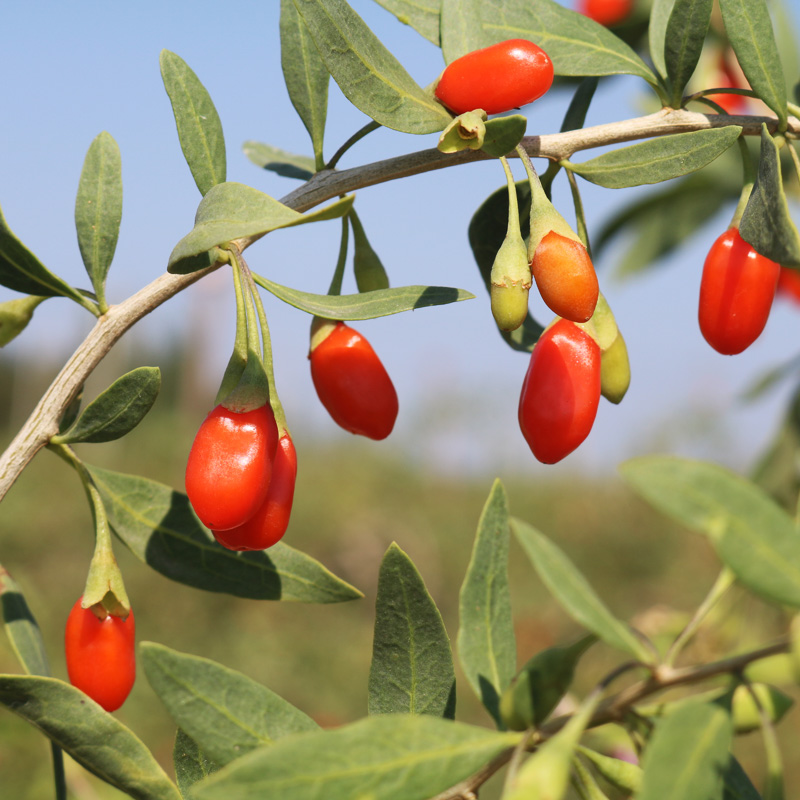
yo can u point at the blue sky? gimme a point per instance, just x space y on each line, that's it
73 70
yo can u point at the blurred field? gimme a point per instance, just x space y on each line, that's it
352 501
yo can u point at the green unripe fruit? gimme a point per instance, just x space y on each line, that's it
615 371
746 716
540 685
511 281
623 775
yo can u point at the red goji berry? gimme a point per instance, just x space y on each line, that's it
498 78
352 383
101 659
606 12
736 293
230 465
561 391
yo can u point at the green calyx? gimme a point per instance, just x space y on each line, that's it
466 132
15 315
540 685
321 329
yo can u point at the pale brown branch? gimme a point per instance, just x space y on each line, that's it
43 421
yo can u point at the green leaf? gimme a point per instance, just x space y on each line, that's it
685 36
370 77
412 666
487 230
226 713
657 159
159 527
21 271
118 410
15 316
503 134
391 756
575 116
460 28
22 629
98 209
367 267
574 594
365 305
486 645
305 74
285 164
766 223
749 29
657 33
421 15
687 754
93 737
191 763
736 783
234 211
753 536
199 126
577 45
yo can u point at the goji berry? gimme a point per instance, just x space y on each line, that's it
736 293
498 78
561 391
606 12
100 654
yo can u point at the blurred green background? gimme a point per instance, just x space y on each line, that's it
354 497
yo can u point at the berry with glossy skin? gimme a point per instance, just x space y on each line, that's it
351 381
736 293
230 465
565 277
561 392
606 12
498 78
789 284
100 655
270 522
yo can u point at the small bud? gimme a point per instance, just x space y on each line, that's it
15 315
511 281
746 716
615 371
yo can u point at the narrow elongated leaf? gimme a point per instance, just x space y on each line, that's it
21 271
749 29
687 754
93 737
575 117
21 626
573 592
577 45
366 305
370 77
766 223
685 36
460 28
412 666
657 33
486 645
658 159
753 536
199 126
191 763
98 208
287 165
118 410
390 756
158 526
369 272
226 713
305 74
421 15
486 232
233 211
